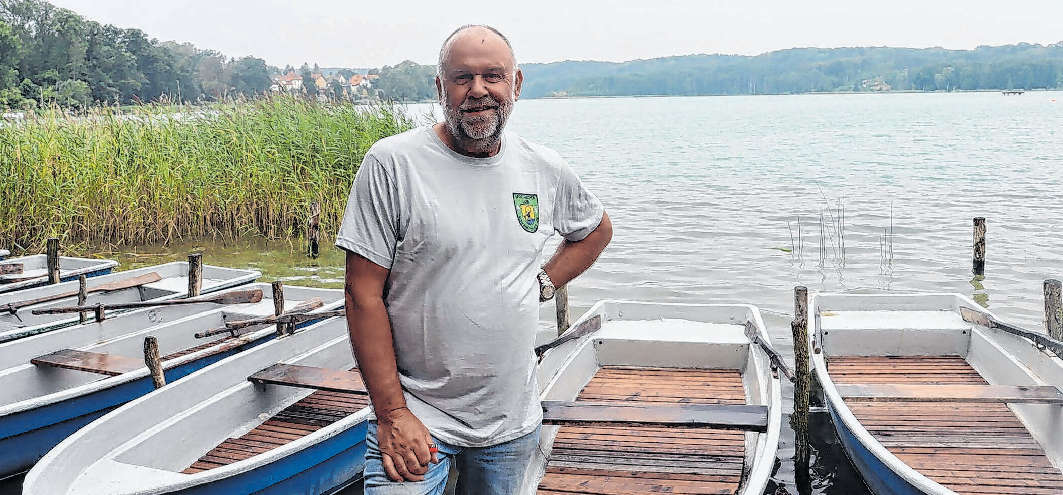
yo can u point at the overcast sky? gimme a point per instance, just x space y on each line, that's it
373 33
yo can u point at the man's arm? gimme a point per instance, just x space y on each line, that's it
403 438
573 258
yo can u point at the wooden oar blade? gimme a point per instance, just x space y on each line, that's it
11 268
146 278
234 297
586 327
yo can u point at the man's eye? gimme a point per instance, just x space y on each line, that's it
463 79
493 78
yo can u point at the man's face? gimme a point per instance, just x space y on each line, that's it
478 88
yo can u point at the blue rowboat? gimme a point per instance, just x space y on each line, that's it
701 360
170 282
35 271
41 404
931 394
199 435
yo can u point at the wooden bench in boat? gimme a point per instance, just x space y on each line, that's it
1030 394
722 416
293 375
92 362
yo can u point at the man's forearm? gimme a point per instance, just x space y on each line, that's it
573 258
370 332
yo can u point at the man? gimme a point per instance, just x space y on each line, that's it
444 232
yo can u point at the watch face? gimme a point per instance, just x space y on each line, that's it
547 292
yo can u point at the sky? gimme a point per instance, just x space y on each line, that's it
374 33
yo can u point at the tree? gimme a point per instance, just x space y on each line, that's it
10 54
250 76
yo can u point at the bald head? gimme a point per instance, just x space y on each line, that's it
475 33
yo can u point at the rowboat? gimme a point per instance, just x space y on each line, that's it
53 383
672 398
932 394
34 271
217 432
160 282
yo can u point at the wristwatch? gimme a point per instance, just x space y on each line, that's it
546 287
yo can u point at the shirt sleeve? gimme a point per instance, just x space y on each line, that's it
370 220
577 211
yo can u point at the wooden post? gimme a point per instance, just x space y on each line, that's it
278 306
802 374
313 230
979 246
151 359
561 305
83 294
53 260
195 274
99 312
1053 309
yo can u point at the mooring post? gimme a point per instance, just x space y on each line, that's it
151 359
53 260
1054 309
99 312
195 274
313 230
561 305
802 375
278 305
83 295
979 246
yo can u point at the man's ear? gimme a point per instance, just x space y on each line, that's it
439 90
517 83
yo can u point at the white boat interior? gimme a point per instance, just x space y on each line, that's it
963 401
36 266
148 445
661 354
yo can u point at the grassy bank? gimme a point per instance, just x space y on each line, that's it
158 174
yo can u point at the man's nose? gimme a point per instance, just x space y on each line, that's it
478 87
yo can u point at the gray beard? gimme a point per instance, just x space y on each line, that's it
477 134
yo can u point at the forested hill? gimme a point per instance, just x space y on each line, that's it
804 70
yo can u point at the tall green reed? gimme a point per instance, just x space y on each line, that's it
158 174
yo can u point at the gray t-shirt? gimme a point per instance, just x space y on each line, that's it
463 239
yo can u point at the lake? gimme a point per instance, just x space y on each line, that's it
740 199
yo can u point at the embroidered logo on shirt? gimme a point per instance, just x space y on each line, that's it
527 206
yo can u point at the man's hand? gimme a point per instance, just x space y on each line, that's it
405 445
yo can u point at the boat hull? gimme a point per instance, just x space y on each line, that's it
878 477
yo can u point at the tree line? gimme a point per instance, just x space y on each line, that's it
50 55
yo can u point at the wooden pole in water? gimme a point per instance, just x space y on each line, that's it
561 306
313 231
803 376
151 359
83 294
979 246
1054 309
53 260
195 274
278 306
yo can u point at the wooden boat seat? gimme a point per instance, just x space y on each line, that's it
310 377
92 362
1030 394
723 416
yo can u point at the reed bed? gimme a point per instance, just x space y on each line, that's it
154 175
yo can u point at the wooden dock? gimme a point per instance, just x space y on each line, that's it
620 460
970 448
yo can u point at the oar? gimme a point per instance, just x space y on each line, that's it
586 327
231 327
233 297
979 318
11 268
146 278
777 362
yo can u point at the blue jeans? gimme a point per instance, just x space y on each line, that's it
494 470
